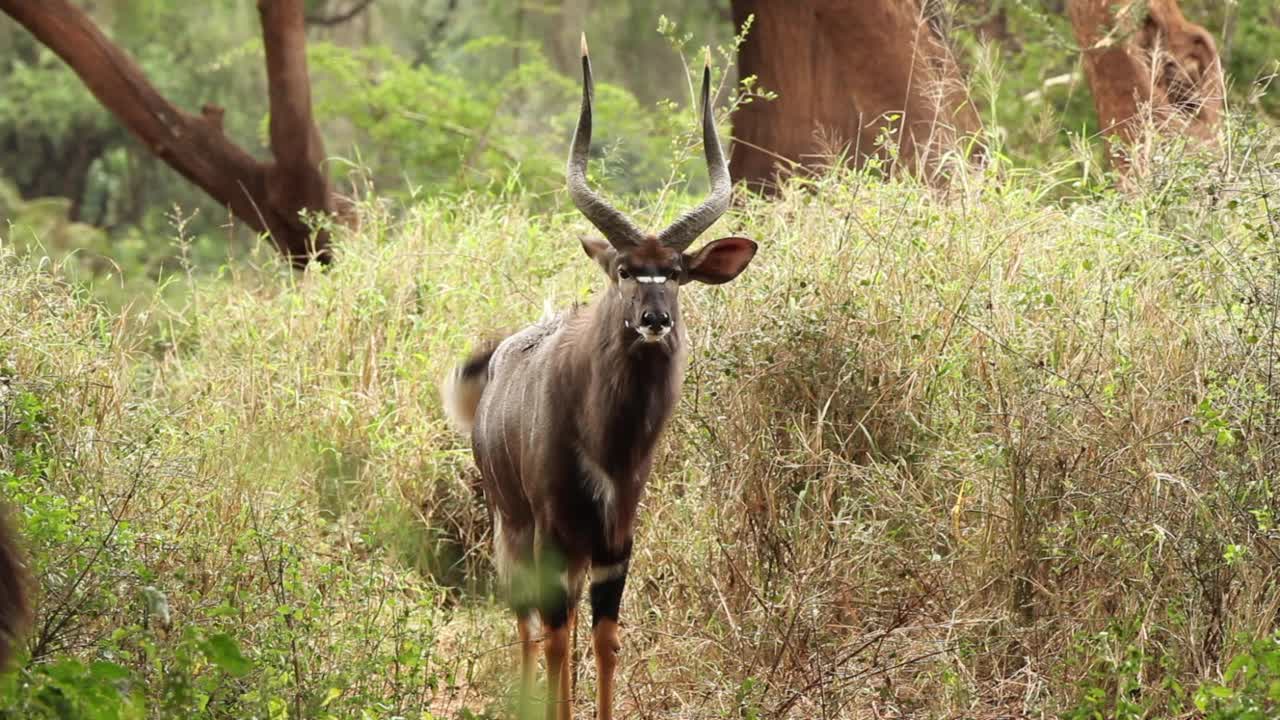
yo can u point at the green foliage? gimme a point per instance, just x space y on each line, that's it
1011 445
1126 679
193 671
61 141
1029 88
154 602
439 131
1250 688
1135 685
984 437
444 101
428 99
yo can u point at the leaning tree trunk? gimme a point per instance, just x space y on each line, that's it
1151 70
267 196
848 75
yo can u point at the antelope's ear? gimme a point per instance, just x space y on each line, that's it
719 261
598 249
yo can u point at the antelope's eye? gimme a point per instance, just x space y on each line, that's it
622 273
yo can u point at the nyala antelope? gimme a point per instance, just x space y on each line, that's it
565 414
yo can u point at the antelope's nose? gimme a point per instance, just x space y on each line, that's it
656 321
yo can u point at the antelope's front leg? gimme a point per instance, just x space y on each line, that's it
528 657
607 583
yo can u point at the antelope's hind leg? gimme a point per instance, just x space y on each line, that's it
513 555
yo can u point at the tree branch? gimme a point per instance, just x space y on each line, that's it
340 18
118 83
266 197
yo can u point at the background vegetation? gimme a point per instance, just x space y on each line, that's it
1003 450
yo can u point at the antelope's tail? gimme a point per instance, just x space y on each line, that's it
464 385
15 609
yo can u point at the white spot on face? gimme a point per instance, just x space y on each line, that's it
651 279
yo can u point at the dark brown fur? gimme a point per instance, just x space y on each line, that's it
584 389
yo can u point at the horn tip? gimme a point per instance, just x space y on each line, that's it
707 63
584 44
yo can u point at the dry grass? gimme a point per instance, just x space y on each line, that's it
986 454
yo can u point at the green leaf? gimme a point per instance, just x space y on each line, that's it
225 653
224 610
1243 662
1221 692
108 672
330 696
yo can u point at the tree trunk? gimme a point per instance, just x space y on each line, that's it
60 166
1155 70
848 74
558 24
267 196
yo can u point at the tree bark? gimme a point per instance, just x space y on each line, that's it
15 608
1155 70
296 180
266 196
847 74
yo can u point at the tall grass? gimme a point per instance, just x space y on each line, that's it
981 453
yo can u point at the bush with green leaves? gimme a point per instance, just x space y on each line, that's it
173 584
1250 687
427 130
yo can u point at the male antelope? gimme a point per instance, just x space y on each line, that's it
564 415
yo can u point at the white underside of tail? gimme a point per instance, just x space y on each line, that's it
461 396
